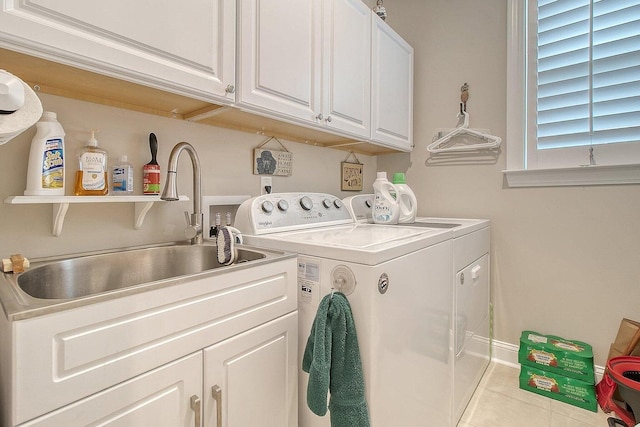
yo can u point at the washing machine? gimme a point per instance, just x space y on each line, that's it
471 315
398 280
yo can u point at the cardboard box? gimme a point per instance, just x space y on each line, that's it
558 387
557 355
626 331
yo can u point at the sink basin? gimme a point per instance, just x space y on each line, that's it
90 275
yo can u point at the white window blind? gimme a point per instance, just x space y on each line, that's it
573 85
588 73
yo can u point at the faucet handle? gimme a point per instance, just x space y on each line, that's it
191 231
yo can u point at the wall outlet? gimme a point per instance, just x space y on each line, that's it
266 185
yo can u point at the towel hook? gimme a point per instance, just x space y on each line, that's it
338 282
342 280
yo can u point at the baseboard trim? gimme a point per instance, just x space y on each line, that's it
507 354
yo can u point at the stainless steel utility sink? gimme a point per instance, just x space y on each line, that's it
64 282
90 275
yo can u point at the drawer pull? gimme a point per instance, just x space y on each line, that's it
216 392
195 407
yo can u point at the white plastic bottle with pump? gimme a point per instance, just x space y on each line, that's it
386 209
406 199
45 172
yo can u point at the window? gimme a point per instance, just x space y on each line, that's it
574 89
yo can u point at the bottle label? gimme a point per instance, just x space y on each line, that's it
382 211
151 179
93 171
53 164
122 179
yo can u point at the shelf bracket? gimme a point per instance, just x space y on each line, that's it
59 212
141 209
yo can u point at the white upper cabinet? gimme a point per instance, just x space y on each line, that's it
392 87
279 57
308 61
346 71
332 64
185 49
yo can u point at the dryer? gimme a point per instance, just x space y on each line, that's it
399 283
471 318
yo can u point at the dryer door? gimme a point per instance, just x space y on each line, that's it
472 300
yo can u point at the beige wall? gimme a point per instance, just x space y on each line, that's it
226 157
565 261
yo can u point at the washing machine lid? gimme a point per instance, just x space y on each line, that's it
367 244
359 206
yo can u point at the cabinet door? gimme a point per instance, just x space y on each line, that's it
251 379
161 397
347 66
189 50
392 87
279 57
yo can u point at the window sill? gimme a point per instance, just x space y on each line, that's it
585 175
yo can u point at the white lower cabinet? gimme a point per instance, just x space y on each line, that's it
230 384
251 379
138 360
161 397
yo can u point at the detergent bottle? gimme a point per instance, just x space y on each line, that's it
406 199
45 171
386 209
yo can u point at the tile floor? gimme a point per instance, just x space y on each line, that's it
499 402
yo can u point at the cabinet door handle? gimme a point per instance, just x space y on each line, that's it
328 119
216 392
319 116
230 89
195 407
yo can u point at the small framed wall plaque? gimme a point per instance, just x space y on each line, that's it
267 161
351 176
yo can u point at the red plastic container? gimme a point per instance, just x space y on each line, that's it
625 372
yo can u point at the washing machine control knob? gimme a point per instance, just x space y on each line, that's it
337 203
283 205
306 203
326 203
267 206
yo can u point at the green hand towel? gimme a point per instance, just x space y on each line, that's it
332 359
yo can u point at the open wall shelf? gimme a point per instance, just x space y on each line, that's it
61 205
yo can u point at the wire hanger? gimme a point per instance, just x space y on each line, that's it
352 154
440 145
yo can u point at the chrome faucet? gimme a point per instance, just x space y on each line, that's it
170 192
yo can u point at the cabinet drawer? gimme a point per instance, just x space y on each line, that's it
66 356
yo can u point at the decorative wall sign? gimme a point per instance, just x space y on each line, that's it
272 162
351 176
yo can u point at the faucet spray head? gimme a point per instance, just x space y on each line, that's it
170 192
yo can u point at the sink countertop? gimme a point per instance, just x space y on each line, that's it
18 305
